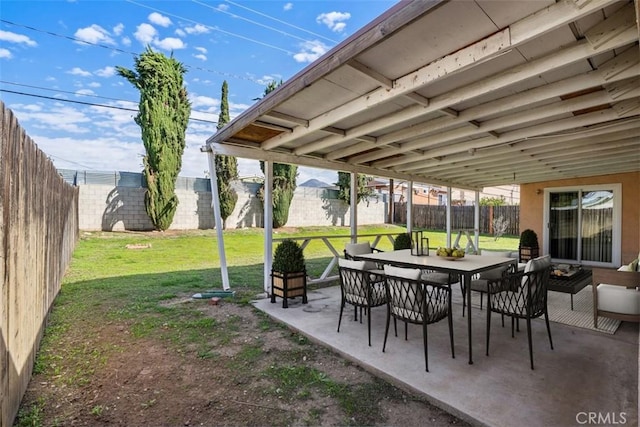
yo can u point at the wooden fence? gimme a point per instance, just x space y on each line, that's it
462 217
38 233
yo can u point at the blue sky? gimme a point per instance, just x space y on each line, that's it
58 59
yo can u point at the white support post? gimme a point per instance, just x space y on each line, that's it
449 217
215 202
268 224
476 221
353 197
410 207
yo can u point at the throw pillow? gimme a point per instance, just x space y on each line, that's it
347 263
633 265
405 273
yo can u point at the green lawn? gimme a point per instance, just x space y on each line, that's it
123 278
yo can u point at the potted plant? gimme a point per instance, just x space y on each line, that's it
403 241
528 248
288 273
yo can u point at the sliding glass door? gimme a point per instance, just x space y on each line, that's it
583 225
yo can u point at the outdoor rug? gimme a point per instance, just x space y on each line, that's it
559 306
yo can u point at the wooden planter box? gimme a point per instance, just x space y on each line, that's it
288 285
527 253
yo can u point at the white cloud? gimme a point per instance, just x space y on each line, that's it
94 84
77 71
199 101
8 36
288 6
159 19
84 92
201 49
310 51
60 118
5 53
126 41
145 33
223 7
169 43
94 34
200 57
334 20
106 72
180 33
117 30
197 29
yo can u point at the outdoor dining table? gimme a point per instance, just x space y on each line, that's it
466 267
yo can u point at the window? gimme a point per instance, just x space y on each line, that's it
583 224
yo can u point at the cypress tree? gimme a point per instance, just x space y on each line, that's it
344 185
226 166
163 116
284 181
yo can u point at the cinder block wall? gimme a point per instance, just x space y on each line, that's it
109 208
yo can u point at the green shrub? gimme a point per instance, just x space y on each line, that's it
403 241
288 257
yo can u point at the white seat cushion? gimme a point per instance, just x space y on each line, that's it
347 263
405 273
618 299
361 249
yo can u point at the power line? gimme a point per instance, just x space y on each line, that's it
280 21
115 49
288 52
81 94
91 104
233 15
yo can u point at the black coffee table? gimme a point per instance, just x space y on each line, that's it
571 284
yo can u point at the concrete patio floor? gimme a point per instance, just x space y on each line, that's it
588 374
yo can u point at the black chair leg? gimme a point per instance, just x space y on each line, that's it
386 329
368 326
546 319
426 347
530 341
453 351
340 318
488 326
406 326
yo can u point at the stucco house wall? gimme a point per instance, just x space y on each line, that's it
532 207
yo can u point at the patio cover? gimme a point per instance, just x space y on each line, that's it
465 94
468 94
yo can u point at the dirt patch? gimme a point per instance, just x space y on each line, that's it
258 373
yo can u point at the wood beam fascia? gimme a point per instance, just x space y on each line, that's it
523 163
520 118
272 126
520 32
517 157
617 23
390 120
288 118
383 80
561 125
624 129
618 68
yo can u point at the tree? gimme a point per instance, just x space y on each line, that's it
163 116
364 192
493 201
226 166
284 180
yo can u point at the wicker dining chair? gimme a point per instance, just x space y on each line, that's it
413 300
522 295
360 288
